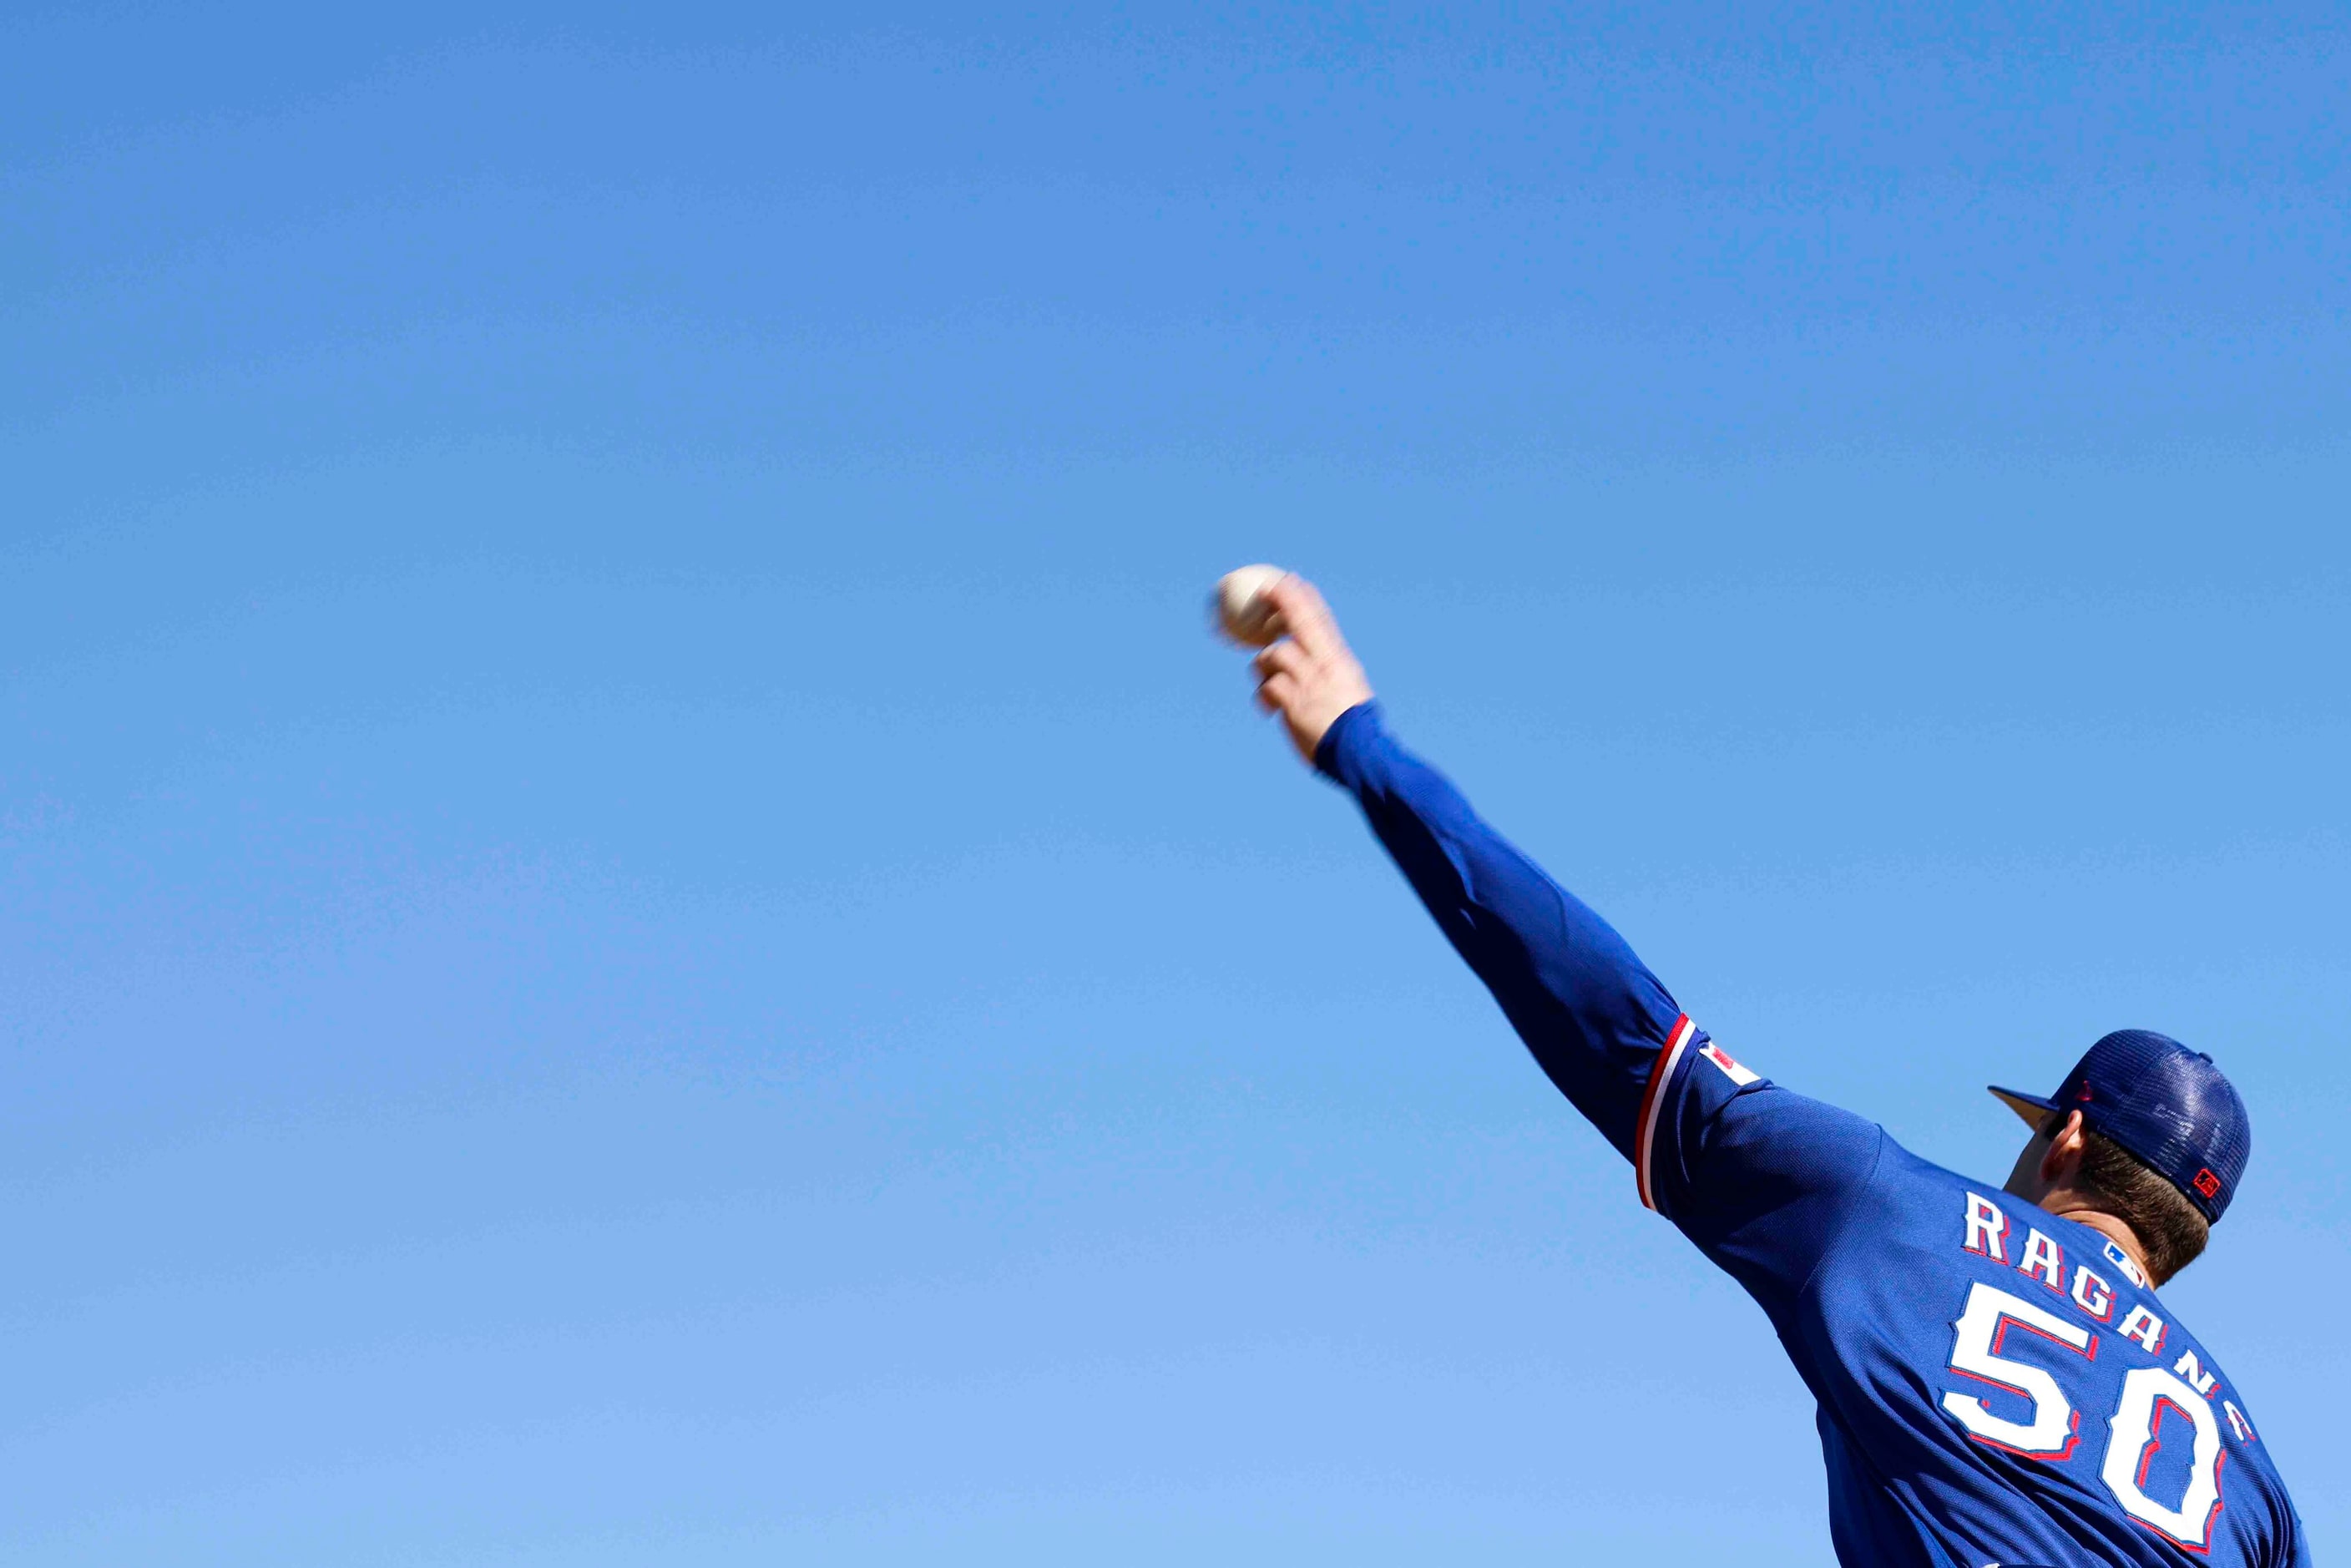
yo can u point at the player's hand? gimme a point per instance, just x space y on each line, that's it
1311 676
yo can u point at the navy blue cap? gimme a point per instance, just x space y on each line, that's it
2164 1102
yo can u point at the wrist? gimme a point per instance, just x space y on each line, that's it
1339 754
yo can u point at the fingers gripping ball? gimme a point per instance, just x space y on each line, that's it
1241 610
1305 671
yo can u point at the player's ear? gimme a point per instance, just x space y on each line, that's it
2063 1155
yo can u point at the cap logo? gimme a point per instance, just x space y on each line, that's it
2207 1183
2084 1095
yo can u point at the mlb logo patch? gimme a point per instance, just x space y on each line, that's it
1730 1069
2207 1183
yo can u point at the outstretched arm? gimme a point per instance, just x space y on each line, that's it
1593 1016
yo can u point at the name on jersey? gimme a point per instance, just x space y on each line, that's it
2038 1255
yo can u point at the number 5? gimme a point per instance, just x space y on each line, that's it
2055 1426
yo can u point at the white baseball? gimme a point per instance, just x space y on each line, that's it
1241 610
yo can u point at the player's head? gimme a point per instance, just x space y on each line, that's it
2163 1140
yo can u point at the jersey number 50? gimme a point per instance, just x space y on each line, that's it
2134 1430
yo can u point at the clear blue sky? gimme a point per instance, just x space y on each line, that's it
638 925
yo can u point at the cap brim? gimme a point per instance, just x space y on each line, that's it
2030 1108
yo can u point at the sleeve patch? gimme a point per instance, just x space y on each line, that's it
1728 1066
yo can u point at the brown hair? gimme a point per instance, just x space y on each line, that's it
2171 1229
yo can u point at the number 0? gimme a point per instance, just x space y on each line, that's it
2138 1427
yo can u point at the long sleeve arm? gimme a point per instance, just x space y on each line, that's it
1593 1016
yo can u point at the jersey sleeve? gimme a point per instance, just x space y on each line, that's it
1593 1017
1753 1173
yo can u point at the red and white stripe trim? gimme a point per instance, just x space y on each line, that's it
1652 1100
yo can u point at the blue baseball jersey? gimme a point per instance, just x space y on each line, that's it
1997 1386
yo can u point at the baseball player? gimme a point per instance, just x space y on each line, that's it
1998 1384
